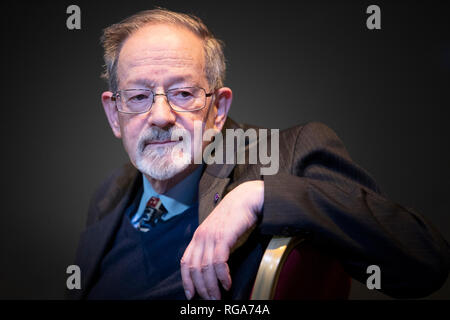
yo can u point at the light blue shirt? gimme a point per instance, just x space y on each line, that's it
177 200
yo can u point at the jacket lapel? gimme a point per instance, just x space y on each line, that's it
211 191
215 179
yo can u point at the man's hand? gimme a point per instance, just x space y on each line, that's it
205 260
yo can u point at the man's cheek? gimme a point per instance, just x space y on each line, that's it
131 145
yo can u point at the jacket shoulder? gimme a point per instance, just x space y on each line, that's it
313 129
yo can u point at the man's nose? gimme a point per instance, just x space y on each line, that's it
161 114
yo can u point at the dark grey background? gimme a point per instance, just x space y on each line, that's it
384 92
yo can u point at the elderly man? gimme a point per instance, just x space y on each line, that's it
163 228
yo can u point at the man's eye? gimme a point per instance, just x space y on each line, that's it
183 94
139 97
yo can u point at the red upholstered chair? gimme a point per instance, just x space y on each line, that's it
291 270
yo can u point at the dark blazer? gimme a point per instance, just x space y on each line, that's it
320 194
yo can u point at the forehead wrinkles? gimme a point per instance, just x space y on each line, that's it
159 60
159 57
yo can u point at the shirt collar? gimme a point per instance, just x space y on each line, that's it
180 197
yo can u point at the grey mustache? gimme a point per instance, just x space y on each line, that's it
155 134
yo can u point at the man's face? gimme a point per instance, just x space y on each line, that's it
161 57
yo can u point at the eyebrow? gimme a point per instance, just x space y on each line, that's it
167 83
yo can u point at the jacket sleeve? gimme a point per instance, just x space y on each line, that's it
320 194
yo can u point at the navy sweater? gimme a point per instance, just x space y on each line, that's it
146 265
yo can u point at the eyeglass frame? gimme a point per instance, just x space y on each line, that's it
116 94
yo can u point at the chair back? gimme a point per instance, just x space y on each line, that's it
290 269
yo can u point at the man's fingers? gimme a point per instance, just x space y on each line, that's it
204 263
199 283
221 254
223 274
201 267
195 267
208 271
188 285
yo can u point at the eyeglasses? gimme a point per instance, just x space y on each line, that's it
186 99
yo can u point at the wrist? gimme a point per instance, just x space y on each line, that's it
255 195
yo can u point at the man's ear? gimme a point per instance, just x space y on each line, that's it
111 113
224 96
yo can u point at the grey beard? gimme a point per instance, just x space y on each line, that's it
157 161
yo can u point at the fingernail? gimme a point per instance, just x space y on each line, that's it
188 294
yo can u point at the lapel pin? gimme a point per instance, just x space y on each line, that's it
216 198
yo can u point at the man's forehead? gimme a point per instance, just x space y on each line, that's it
146 68
157 56
163 42
160 50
